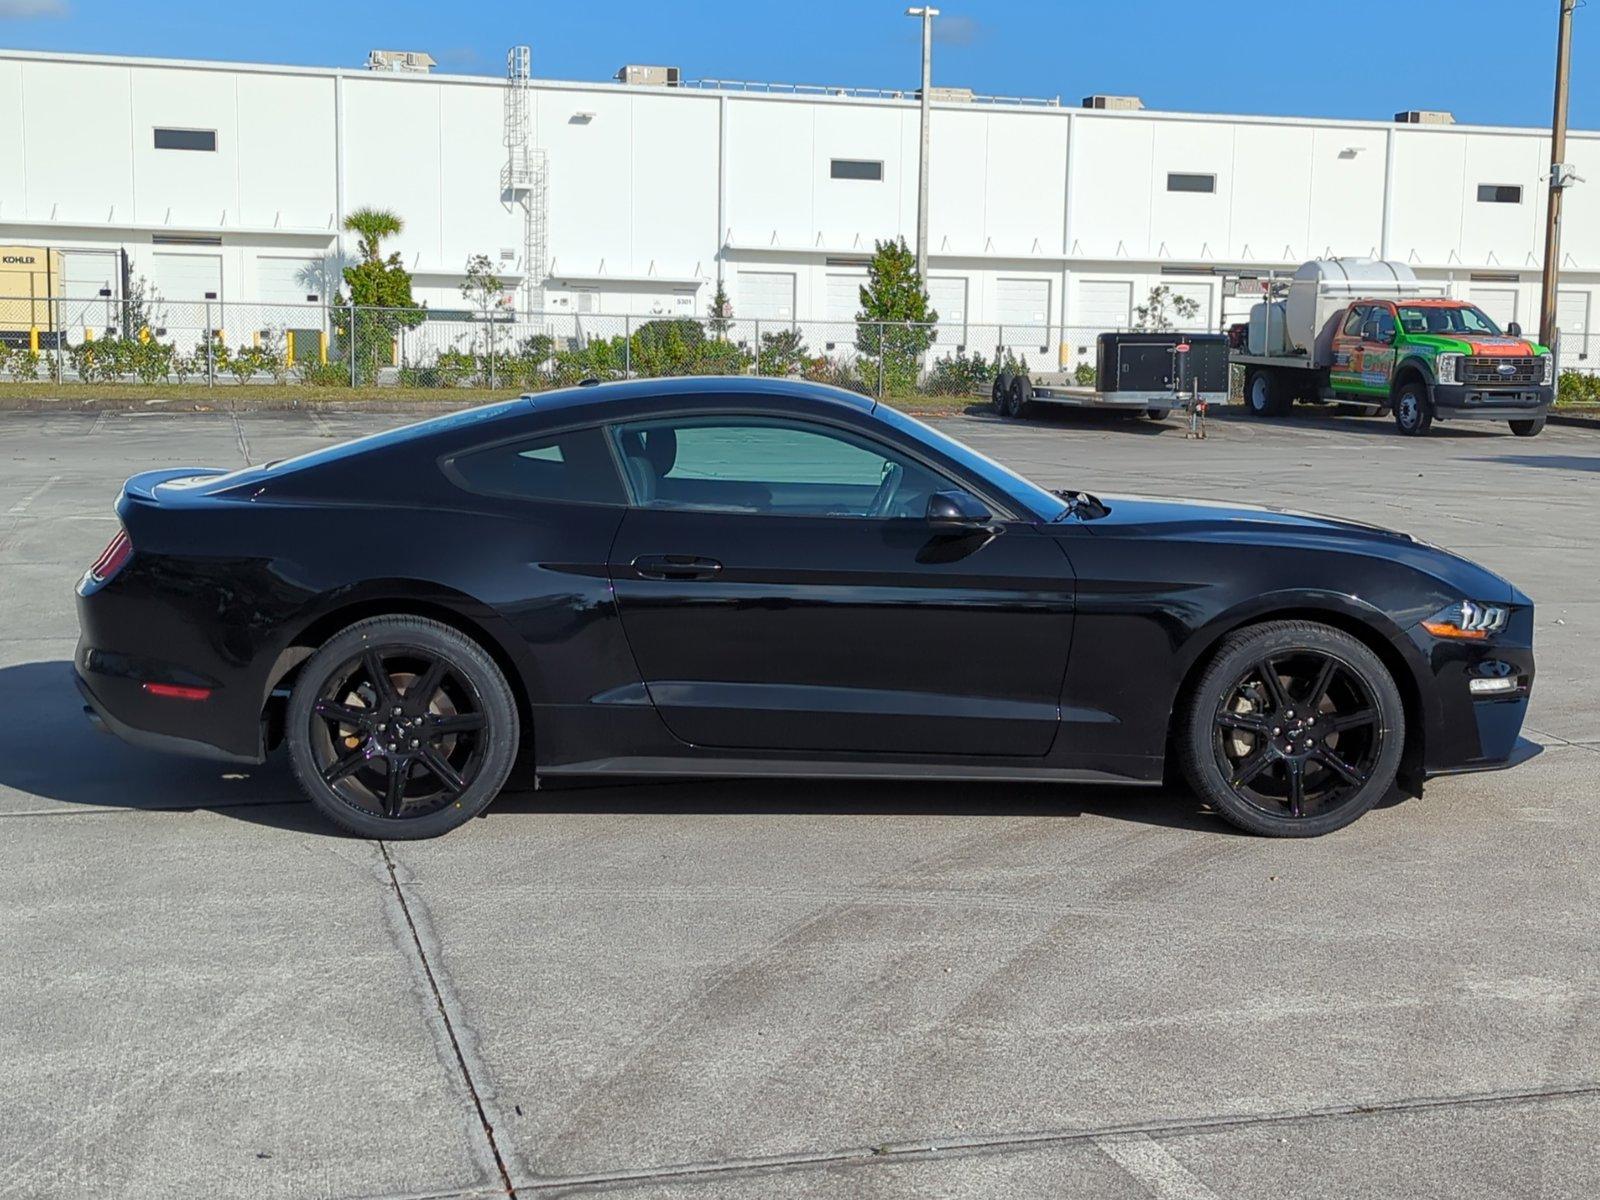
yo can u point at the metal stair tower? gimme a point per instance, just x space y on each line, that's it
524 180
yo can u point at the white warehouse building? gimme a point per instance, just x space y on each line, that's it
230 181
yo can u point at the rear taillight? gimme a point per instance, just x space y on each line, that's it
113 558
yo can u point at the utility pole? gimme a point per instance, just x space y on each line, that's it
1560 176
927 14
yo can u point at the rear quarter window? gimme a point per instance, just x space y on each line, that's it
575 467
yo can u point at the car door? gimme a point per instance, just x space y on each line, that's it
1375 353
782 589
1344 373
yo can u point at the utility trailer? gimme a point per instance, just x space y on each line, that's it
1148 373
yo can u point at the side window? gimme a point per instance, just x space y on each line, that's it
770 466
575 466
1385 319
1352 322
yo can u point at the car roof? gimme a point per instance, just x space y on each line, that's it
598 395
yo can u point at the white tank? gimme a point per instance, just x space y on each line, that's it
1323 287
1268 332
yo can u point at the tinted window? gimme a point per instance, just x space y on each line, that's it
772 466
1499 193
573 466
1352 323
1178 182
1385 322
855 168
186 139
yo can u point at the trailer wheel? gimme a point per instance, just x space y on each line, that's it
997 393
1263 392
1158 414
1019 396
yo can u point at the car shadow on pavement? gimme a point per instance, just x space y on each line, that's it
52 755
1559 462
1313 418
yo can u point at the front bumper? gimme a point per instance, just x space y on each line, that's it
1465 732
1476 402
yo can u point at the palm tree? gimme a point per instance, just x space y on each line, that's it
371 226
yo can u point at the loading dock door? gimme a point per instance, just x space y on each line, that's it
1499 303
1104 306
1572 319
1200 293
949 299
1022 306
765 296
185 283
89 284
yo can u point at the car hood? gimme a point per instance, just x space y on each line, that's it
1246 524
1470 344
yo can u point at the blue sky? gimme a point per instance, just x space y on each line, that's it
1357 58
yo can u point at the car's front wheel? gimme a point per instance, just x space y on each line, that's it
1294 729
401 727
1413 411
1532 427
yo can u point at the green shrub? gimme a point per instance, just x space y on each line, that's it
1084 374
600 358
316 373
151 359
722 358
958 374
1576 387
5 356
25 365
836 372
186 364
782 353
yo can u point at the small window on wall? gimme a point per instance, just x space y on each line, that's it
855 168
1499 193
1179 182
186 139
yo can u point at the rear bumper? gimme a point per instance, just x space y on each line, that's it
1467 402
101 716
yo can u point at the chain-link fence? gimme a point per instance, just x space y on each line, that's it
153 341
102 340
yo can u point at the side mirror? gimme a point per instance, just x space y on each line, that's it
1514 330
957 512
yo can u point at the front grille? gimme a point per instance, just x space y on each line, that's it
1486 369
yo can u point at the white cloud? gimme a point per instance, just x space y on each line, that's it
21 10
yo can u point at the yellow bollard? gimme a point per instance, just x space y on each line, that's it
288 344
88 334
33 338
322 346
144 335
255 339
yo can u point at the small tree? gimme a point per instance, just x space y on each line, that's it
720 316
1153 313
894 326
486 292
378 283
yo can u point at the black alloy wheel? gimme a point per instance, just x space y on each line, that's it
401 727
1295 730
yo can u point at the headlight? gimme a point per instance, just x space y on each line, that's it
1549 367
1468 621
1445 367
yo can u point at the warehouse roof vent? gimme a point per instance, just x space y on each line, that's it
641 75
1425 116
1124 103
413 61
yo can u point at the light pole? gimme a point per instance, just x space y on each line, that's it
927 14
1560 177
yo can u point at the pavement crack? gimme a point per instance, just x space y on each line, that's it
1097 1137
449 1024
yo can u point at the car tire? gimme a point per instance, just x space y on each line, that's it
1158 414
997 393
1357 721
1413 411
1263 394
1019 397
1531 427
454 747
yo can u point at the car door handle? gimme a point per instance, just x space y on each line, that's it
675 566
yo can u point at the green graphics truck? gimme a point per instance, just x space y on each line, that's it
1369 333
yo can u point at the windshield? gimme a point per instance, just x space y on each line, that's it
1446 319
1029 496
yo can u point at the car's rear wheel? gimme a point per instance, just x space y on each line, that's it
401 727
1295 729
1263 394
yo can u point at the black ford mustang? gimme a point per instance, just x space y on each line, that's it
755 577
